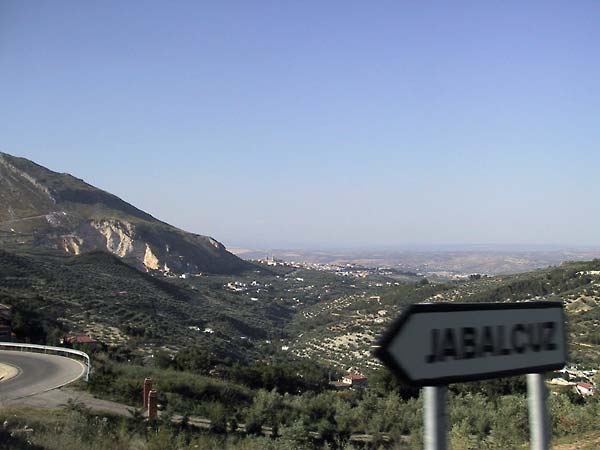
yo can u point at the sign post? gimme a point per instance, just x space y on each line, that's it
435 344
538 418
435 418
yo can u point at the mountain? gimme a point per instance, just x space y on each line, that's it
44 208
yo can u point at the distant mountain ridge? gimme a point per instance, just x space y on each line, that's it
57 210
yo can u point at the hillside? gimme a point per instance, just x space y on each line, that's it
342 332
97 293
241 316
44 208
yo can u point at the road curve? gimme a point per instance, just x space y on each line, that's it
37 373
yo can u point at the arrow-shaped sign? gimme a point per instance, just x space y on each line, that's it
440 343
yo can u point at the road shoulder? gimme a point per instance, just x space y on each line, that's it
58 398
7 372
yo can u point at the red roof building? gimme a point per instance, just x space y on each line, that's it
586 388
81 339
355 380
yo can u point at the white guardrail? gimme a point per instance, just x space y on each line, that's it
48 349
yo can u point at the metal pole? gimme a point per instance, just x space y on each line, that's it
435 417
538 417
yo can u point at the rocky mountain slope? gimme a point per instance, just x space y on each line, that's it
42 207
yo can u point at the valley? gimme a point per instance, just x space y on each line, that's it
270 351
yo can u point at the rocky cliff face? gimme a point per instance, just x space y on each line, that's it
42 207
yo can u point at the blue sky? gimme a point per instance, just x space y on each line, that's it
318 124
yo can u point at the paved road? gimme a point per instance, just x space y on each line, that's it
37 373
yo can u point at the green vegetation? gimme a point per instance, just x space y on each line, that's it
77 428
270 399
576 284
484 415
342 331
258 349
98 293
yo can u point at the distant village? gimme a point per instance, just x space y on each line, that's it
345 270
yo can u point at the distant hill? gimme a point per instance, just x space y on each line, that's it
40 207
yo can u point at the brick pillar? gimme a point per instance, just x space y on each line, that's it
152 404
147 389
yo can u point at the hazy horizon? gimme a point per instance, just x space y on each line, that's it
318 126
423 247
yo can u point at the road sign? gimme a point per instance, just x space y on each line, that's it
439 343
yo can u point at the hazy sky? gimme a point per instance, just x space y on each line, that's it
318 123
